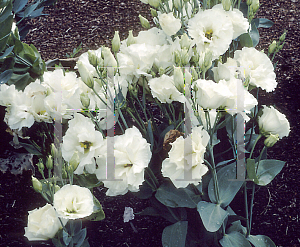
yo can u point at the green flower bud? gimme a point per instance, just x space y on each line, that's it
255 5
40 165
109 59
144 22
177 4
226 4
53 150
184 56
49 162
178 79
116 43
207 59
271 140
272 47
185 42
93 59
74 161
249 2
130 39
56 188
153 12
85 100
282 37
280 47
154 3
85 74
194 74
161 71
177 57
37 185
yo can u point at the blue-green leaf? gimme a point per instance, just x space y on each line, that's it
267 170
228 185
262 22
212 215
254 34
246 40
5 76
7 52
175 235
234 239
6 12
19 5
261 241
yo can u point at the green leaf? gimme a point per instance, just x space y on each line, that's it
98 213
6 12
228 185
175 235
262 22
267 170
244 9
80 237
212 215
20 81
251 170
19 5
87 180
4 3
7 52
75 226
234 239
31 149
172 197
30 9
66 238
261 241
5 76
245 40
254 34
5 30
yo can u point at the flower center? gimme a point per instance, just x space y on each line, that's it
128 165
86 145
208 34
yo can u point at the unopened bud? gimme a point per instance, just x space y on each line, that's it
37 185
207 59
194 74
272 47
85 100
93 59
187 77
53 150
280 47
226 4
271 140
177 58
144 22
282 37
161 71
40 165
109 59
56 188
153 12
130 39
177 4
85 74
74 161
185 42
184 56
154 3
178 79
249 2
116 43
49 162
255 5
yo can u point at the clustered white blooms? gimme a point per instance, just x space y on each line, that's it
186 158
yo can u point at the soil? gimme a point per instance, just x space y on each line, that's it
92 23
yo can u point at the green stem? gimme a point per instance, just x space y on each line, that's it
257 139
246 207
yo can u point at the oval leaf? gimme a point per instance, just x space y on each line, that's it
261 241
212 215
267 170
254 34
245 40
228 185
262 22
175 235
234 239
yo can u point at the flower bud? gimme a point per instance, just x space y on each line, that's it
144 22
40 165
154 3
255 5
37 185
207 59
49 162
226 4
116 43
282 37
130 39
85 100
93 59
153 12
185 42
249 2
74 161
178 79
85 74
56 188
177 57
194 74
187 77
280 47
109 59
272 47
271 140
161 71
177 4
53 150
184 56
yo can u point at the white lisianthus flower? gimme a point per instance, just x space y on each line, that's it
210 95
257 67
174 166
73 202
43 224
84 58
132 155
163 88
239 23
273 122
8 94
211 29
169 23
81 136
226 71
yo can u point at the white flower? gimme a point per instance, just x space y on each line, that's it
190 150
257 67
73 202
273 122
169 23
81 136
84 58
164 90
211 29
239 22
43 223
210 95
132 155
